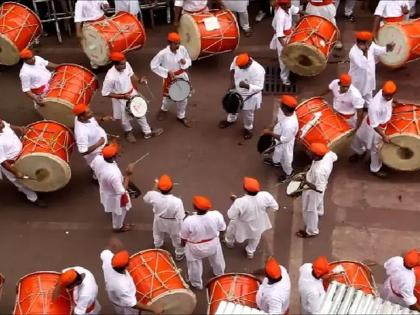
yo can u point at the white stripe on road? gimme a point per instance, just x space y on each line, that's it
81 226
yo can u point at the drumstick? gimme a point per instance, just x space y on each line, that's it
112 136
140 159
150 91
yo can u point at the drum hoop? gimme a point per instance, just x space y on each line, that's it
91 28
128 105
310 47
186 291
176 80
410 50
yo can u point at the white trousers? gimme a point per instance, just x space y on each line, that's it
118 219
368 139
159 238
248 118
252 244
313 206
283 154
244 20
284 71
144 125
387 294
181 107
368 98
326 11
348 8
30 195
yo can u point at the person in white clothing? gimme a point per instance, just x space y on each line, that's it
273 295
282 26
200 236
120 85
10 148
172 63
317 181
284 133
84 290
247 79
370 134
399 286
390 12
241 8
311 288
168 214
131 6
191 7
348 9
363 58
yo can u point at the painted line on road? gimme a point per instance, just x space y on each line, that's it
81 226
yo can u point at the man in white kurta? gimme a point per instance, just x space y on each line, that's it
172 63
390 12
282 26
168 213
131 6
317 179
247 79
248 216
192 7
241 8
200 234
370 134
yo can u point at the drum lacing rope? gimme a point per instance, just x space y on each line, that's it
9 28
231 297
120 32
371 286
415 120
313 31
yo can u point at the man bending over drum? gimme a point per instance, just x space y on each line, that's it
247 78
35 75
191 7
121 84
171 63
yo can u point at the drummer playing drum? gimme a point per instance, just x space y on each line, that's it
191 7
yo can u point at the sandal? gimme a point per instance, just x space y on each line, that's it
303 234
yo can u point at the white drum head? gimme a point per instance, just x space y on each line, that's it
95 46
406 158
399 56
9 54
292 187
179 90
46 171
304 59
190 36
58 110
181 301
138 106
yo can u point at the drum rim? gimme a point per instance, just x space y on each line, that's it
312 48
211 280
13 46
287 187
104 61
77 66
196 30
383 145
51 121
186 291
129 104
407 55
151 250
27 8
176 80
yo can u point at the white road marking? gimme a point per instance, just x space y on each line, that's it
81 226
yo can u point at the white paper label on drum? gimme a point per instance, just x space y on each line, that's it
211 23
322 43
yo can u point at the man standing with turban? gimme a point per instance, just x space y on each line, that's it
172 63
248 216
200 235
168 214
247 78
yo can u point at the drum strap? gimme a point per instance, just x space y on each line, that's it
200 242
347 116
320 3
40 90
394 19
91 307
196 12
393 291
167 218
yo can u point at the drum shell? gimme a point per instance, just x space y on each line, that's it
19 26
239 288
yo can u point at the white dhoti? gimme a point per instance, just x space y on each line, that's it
170 226
230 238
30 195
284 71
283 154
247 116
118 219
328 11
181 107
388 295
313 206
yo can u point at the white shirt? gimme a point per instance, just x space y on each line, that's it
275 298
131 6
90 10
10 144
36 75
379 111
311 290
320 171
196 228
166 206
191 5
118 82
386 8
282 21
88 134
166 61
120 287
346 103
84 295
287 127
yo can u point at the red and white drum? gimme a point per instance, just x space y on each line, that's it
417 287
45 156
406 36
404 131
353 274
19 27
159 282
310 45
208 34
122 32
70 85
35 295
318 122
238 288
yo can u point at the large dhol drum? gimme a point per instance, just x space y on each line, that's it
417 287
318 122
406 36
159 282
70 85
35 295
122 32
353 274
19 27
238 288
404 131
45 156
310 45
208 34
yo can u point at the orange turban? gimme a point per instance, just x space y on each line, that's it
283 2
174 37
80 109
411 258
120 259
272 268
319 149
364 36
117 56
26 53
242 59
202 203
321 266
110 151
68 277
165 183
251 185
389 88
345 79
289 100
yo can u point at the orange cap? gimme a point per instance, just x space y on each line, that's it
165 183
321 266
251 185
68 277
272 268
389 88
80 109
289 100
110 151
117 56
242 59
120 259
174 37
26 53
319 148
411 258
345 79
283 2
364 36
202 203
